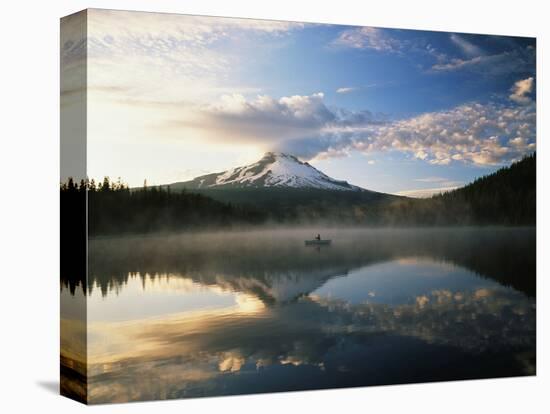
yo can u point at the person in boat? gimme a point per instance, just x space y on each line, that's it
318 237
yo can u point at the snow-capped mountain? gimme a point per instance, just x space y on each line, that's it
273 170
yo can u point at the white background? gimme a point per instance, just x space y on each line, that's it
29 162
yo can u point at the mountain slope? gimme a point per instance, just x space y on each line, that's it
274 170
287 190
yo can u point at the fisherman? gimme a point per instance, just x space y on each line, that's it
318 237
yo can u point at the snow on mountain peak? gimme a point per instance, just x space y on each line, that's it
274 169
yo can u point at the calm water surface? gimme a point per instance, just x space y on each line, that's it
246 312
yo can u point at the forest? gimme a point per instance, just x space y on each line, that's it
506 197
113 208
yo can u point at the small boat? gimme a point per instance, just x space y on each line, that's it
317 242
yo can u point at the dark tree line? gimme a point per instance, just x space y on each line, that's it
114 208
506 197
73 236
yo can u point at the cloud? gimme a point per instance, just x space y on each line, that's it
481 134
514 61
431 179
264 120
160 31
345 90
442 185
140 51
368 38
471 58
350 89
382 40
467 47
426 192
73 57
521 91
474 133
475 63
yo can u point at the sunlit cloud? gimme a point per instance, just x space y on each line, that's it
231 361
474 133
426 192
140 51
522 90
437 185
431 179
265 121
471 133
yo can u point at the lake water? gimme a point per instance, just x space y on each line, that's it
247 312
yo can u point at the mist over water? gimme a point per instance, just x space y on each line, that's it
258 311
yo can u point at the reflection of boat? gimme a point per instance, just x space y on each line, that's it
317 242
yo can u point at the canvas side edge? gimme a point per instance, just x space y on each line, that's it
73 207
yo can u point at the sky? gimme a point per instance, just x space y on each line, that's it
171 97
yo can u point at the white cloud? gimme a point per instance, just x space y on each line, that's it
480 134
516 61
471 133
521 91
467 47
163 29
302 111
368 38
345 90
471 57
140 51
264 120
383 40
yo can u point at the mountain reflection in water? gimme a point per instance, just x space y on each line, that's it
245 312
